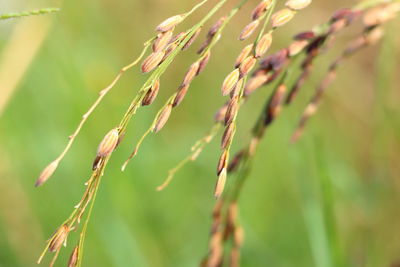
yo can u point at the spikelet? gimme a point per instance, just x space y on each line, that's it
152 61
59 238
264 44
47 173
73 259
162 41
237 89
219 188
227 136
230 82
203 62
255 83
232 109
222 163
170 23
151 94
108 144
191 73
220 114
162 118
296 47
305 36
215 28
248 30
243 54
180 95
297 4
260 9
192 39
247 65
282 17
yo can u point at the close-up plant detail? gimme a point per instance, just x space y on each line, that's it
284 69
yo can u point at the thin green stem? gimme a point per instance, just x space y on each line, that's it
36 12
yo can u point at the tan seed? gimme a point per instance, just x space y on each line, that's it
169 50
227 136
162 118
59 238
297 4
73 259
152 61
247 65
282 17
151 94
180 95
223 162
238 88
243 54
170 23
230 82
203 62
162 41
47 173
255 83
219 188
296 47
232 109
260 9
248 30
108 144
215 28
220 114
264 44
192 39
191 73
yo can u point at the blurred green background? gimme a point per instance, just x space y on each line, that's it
330 200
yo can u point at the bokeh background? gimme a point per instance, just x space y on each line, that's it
331 200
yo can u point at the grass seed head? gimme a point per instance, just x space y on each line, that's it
152 61
162 41
248 30
59 238
247 65
151 94
260 9
243 54
230 82
47 173
162 118
227 136
108 144
170 23
282 17
203 62
263 45
297 4
180 95
219 187
192 72
73 259
232 109
192 39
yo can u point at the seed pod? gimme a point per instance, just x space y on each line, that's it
162 41
227 136
243 54
177 37
235 161
222 162
260 9
230 82
255 83
282 17
203 62
108 144
47 173
237 89
162 118
232 109
264 44
297 4
220 114
192 39
304 36
151 94
180 95
170 23
73 259
191 73
152 61
219 188
296 47
59 238
215 28
248 30
247 65
204 45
